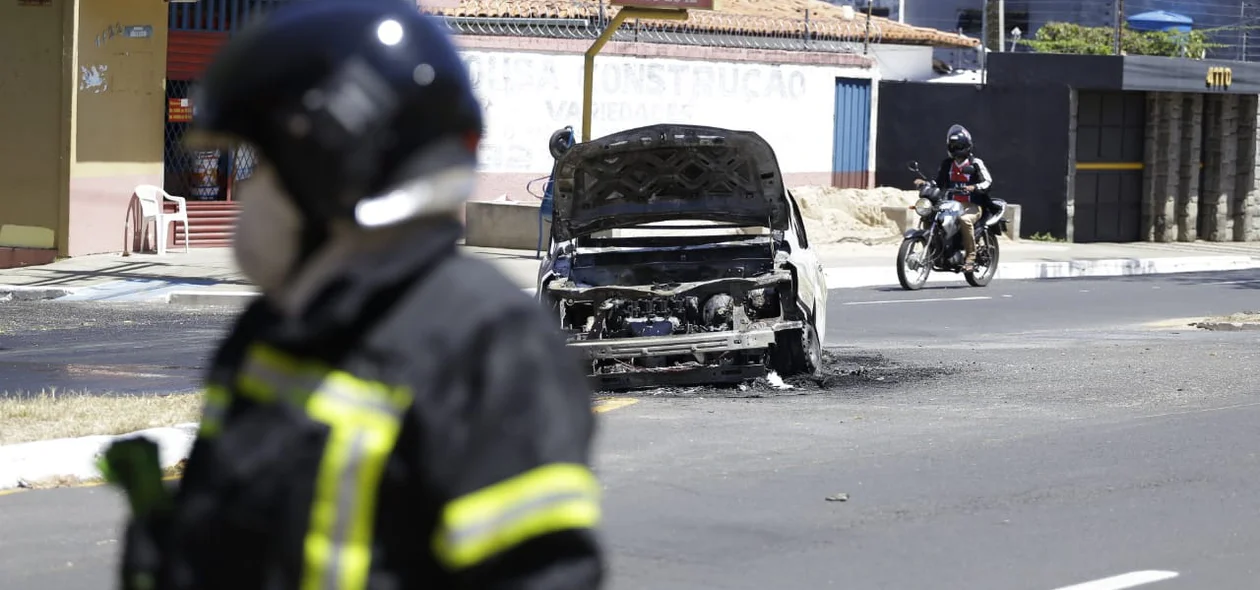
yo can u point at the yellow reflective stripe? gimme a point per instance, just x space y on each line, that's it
268 375
544 500
214 408
338 544
364 418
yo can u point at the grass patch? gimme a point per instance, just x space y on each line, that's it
49 414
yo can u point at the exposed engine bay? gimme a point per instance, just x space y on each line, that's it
675 314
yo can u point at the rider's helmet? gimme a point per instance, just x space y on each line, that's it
361 110
958 142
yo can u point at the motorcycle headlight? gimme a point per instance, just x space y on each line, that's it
923 207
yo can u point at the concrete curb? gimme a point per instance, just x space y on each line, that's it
26 464
879 276
210 297
23 293
1227 326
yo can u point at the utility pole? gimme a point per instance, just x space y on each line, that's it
901 11
866 45
1119 25
1246 30
984 24
1001 24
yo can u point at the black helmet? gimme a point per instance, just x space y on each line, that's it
345 99
958 142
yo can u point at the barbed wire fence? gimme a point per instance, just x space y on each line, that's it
586 19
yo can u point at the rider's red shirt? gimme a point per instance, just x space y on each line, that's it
956 174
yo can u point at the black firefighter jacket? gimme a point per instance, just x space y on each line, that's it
421 426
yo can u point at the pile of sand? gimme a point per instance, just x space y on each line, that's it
835 215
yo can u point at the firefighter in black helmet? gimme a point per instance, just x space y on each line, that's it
390 414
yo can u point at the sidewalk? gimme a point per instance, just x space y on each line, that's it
209 276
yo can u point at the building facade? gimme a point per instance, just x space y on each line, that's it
91 124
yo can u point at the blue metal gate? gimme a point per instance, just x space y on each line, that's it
852 148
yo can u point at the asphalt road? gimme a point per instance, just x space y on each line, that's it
105 347
890 314
1052 441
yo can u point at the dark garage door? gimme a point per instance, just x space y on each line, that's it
1110 137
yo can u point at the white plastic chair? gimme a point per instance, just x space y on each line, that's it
151 200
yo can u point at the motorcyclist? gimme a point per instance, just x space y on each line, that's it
390 414
953 174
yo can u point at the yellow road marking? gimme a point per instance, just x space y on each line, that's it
87 484
613 403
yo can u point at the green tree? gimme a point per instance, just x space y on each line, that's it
1057 37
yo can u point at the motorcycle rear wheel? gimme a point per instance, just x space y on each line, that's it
912 279
985 241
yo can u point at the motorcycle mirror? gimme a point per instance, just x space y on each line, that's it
912 165
969 169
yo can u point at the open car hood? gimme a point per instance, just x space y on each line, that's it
668 172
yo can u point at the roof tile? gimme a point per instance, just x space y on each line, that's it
755 17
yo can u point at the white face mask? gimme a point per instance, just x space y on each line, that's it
268 234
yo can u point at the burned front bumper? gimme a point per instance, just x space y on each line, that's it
758 337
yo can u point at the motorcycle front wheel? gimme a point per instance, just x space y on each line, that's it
987 252
913 264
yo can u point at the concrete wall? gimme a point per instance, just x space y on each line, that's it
120 105
1201 194
532 87
83 98
33 123
903 62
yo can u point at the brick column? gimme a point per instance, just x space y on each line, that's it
1242 206
1163 166
1069 202
1222 148
1154 151
1253 194
1188 190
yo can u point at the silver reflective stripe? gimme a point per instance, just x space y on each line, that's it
348 501
368 401
498 521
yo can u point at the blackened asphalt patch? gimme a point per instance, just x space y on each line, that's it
105 347
845 372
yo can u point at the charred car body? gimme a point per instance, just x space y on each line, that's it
678 257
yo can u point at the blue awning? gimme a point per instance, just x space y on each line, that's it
1160 20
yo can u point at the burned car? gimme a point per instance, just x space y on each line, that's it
678 257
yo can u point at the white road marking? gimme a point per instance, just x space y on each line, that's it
1123 581
933 299
1246 282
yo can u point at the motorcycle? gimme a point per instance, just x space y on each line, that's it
936 245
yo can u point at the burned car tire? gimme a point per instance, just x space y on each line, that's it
796 352
560 142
